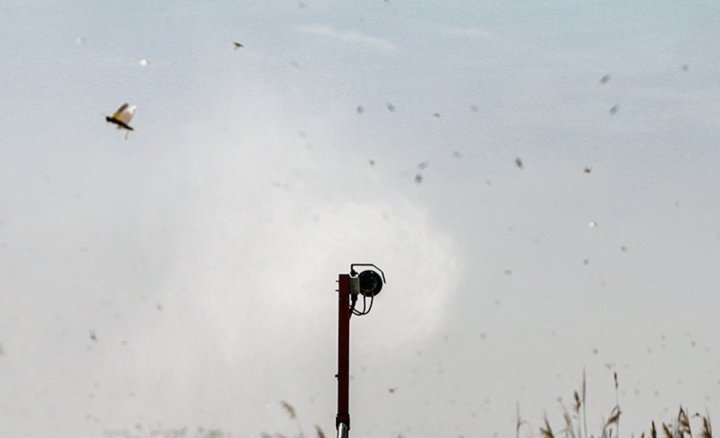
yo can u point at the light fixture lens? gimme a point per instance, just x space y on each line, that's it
370 283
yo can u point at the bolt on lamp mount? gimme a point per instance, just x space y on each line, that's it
367 284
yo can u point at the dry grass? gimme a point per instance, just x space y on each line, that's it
319 431
546 431
289 409
575 421
706 430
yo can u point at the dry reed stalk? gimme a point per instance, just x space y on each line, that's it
576 406
319 431
291 413
518 420
666 431
546 432
569 426
683 422
583 404
518 423
680 428
617 403
615 377
288 408
614 417
707 429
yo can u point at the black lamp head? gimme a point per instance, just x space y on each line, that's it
370 283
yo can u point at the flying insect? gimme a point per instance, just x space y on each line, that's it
121 117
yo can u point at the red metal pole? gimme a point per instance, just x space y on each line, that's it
343 375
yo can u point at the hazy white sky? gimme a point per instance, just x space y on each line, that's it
202 252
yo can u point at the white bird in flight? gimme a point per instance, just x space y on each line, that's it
121 117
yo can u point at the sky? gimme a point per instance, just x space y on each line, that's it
184 278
